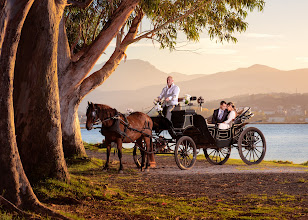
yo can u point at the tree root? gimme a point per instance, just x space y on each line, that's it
39 208
6 204
36 207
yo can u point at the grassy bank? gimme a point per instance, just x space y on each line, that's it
96 194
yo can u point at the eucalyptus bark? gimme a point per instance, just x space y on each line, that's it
14 185
16 191
36 93
74 70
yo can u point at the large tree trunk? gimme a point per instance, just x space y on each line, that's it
36 93
70 103
16 191
72 74
71 128
13 182
71 135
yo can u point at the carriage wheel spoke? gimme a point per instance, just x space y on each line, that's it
249 155
258 151
253 154
220 156
211 152
257 155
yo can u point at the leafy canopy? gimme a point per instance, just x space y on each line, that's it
219 18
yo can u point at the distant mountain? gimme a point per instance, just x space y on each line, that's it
136 83
136 74
269 101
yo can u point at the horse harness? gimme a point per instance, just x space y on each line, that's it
117 120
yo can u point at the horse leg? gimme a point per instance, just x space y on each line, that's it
139 143
119 146
149 149
108 145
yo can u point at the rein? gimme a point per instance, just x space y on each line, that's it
126 124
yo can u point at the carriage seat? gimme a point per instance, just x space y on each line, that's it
178 117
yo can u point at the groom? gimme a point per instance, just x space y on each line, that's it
220 115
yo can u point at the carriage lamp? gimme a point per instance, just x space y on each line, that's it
200 102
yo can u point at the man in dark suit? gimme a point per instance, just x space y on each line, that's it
221 114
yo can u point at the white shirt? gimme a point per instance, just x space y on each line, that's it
172 93
220 113
227 124
231 116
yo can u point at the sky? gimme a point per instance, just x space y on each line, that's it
276 37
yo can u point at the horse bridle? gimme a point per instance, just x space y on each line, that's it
94 114
98 120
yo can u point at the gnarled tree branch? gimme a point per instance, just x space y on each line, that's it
171 20
92 53
97 78
84 4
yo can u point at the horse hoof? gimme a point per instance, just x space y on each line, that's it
147 170
105 169
121 172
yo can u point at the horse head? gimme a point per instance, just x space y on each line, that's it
91 115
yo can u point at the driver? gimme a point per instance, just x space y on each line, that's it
171 94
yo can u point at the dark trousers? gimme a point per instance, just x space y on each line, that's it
167 111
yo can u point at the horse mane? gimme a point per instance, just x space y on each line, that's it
105 111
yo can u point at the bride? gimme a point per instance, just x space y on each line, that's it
228 123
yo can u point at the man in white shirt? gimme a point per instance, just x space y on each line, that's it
171 94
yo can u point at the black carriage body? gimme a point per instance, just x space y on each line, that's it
189 130
180 120
209 135
188 123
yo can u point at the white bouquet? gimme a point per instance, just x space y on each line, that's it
158 107
187 98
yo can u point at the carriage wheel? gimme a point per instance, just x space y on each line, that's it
137 156
217 156
252 146
185 153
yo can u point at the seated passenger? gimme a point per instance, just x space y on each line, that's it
220 115
232 115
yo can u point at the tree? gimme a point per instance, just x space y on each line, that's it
36 93
90 31
16 191
73 84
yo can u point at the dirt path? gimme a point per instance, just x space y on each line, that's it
166 166
226 181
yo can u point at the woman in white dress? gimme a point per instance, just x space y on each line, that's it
228 123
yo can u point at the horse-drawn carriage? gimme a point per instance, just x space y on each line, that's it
188 132
183 136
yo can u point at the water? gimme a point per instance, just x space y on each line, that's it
284 141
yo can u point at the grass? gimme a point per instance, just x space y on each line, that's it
305 164
6 216
92 193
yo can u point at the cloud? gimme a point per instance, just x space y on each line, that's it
206 46
268 47
259 35
302 59
219 51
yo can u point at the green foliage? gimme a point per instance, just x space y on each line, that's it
283 162
84 25
5 216
220 19
305 164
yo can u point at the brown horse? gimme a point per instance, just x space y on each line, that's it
120 129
